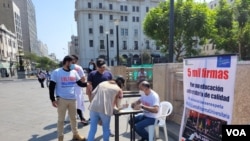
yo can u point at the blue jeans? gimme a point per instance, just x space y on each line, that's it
141 122
95 117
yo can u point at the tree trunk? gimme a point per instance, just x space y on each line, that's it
240 51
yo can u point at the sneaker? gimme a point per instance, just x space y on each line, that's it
60 138
84 122
78 138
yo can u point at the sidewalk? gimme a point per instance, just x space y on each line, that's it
27 115
14 78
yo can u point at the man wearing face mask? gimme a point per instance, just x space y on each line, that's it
149 102
63 82
78 91
98 76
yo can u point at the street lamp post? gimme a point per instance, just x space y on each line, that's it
171 31
21 67
11 64
107 36
21 71
117 41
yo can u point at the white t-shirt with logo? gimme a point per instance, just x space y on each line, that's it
81 74
150 100
79 90
65 83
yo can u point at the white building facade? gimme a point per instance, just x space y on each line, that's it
73 46
28 23
8 52
43 49
96 27
18 27
52 56
11 43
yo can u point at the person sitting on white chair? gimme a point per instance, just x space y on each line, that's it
149 102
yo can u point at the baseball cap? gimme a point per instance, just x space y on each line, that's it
100 63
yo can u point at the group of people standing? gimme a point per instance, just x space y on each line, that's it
104 93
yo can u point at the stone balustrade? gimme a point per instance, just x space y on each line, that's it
167 80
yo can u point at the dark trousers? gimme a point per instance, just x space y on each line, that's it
79 112
41 82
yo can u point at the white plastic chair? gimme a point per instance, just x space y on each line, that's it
165 110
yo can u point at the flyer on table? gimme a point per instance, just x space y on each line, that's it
208 96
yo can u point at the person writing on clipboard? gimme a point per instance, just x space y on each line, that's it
104 98
149 102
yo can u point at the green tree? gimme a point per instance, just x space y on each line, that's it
42 62
30 56
146 58
198 26
46 63
122 60
245 53
242 15
233 27
155 25
224 38
194 25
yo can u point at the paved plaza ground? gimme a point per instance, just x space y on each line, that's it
27 114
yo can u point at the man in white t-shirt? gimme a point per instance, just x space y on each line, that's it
150 103
63 82
79 91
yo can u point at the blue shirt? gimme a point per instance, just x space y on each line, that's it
65 82
96 78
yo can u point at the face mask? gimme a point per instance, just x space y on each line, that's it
141 92
72 66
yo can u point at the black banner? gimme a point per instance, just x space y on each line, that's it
235 132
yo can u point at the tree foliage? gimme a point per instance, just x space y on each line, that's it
232 25
145 58
155 24
41 62
224 25
227 27
242 17
193 22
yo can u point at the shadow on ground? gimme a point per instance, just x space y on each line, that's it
50 126
127 135
52 135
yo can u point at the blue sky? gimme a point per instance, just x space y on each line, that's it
55 24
